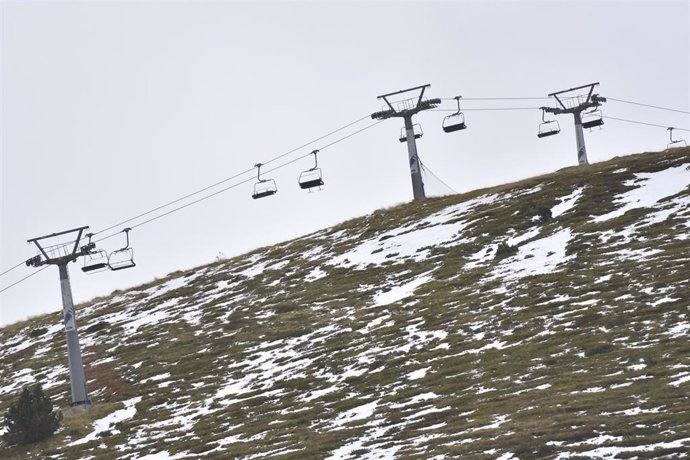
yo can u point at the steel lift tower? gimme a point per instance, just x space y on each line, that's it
405 109
576 105
61 255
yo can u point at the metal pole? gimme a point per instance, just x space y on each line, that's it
80 396
580 137
415 171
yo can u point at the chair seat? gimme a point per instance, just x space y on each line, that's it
455 127
311 183
592 123
263 194
122 265
547 133
90 268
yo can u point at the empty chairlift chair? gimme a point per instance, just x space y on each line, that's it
455 121
416 129
312 177
263 187
547 127
674 143
592 119
95 260
122 258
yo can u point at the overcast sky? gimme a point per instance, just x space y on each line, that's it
112 108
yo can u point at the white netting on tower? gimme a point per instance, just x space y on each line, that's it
434 185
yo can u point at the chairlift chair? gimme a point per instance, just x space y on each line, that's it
95 260
547 127
592 119
454 121
416 129
263 187
312 177
122 258
674 143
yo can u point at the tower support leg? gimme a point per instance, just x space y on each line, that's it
80 396
415 169
580 138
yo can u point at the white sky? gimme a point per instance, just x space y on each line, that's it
112 108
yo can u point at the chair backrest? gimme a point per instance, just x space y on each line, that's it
265 186
549 127
95 261
121 259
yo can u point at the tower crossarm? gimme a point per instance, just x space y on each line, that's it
422 105
594 101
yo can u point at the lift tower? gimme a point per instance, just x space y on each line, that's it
405 109
576 105
61 255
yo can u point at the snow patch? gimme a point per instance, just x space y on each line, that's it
567 203
401 292
107 422
536 257
653 187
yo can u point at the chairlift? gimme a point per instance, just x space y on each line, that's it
416 129
95 260
454 121
263 187
312 177
592 119
547 127
677 143
122 258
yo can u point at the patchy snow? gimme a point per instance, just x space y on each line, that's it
651 187
536 257
401 292
258 268
637 367
506 456
674 206
457 210
497 421
314 253
567 203
398 245
163 455
603 279
614 452
156 378
357 413
679 330
494 345
413 240
599 440
427 411
475 319
54 377
514 241
316 394
108 422
480 257
373 324
418 374
356 445
415 399
681 378
19 379
316 274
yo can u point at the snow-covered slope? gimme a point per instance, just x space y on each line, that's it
404 333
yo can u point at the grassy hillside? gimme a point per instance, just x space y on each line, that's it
546 318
